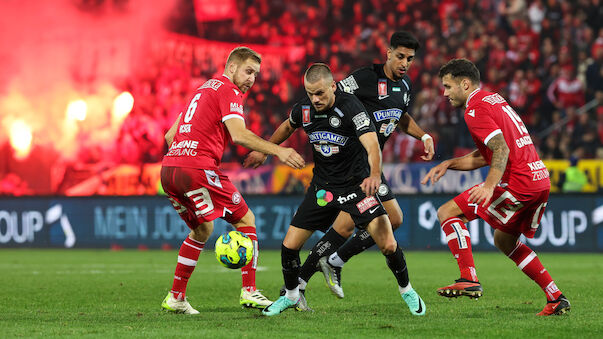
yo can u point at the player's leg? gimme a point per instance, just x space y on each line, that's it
290 261
452 221
529 263
362 240
188 255
381 231
250 296
329 243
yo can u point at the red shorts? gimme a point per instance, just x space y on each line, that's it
511 212
202 195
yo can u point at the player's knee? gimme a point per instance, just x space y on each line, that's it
389 247
202 232
396 220
444 213
345 232
505 245
247 220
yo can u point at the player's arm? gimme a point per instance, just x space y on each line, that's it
409 126
282 133
371 145
500 156
242 136
169 135
467 162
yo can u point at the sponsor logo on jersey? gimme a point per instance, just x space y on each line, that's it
326 149
184 147
387 129
471 113
361 120
341 199
213 84
236 108
395 89
366 203
335 122
386 114
382 87
236 198
348 84
319 136
213 178
236 92
185 128
494 99
323 197
305 114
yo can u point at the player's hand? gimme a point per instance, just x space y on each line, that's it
254 159
435 173
429 149
291 158
481 193
370 185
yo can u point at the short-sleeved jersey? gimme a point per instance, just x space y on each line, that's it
487 115
201 135
339 157
385 100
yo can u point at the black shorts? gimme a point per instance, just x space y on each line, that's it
384 192
322 205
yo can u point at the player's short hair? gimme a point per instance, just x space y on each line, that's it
404 39
460 68
317 72
241 54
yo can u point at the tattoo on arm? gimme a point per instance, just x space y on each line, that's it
500 152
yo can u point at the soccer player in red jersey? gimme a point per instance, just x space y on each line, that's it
514 195
191 177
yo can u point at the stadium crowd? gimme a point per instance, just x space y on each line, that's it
545 57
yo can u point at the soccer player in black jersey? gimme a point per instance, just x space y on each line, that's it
344 140
384 90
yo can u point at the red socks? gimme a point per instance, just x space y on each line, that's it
187 260
459 242
248 271
529 263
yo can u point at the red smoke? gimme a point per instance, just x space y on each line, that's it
56 52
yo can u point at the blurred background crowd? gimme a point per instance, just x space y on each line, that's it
545 57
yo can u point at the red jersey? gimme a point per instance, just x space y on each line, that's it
201 135
488 114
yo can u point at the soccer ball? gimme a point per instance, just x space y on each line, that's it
234 249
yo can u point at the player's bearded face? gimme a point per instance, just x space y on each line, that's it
399 60
321 93
245 75
453 91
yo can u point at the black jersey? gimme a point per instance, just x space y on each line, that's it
385 100
339 158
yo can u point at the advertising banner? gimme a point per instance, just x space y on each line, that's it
571 223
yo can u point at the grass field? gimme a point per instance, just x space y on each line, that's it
117 294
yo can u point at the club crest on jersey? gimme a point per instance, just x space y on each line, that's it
322 136
236 198
305 114
335 122
382 87
387 114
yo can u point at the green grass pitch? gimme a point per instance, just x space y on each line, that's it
101 293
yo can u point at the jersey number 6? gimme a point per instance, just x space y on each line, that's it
192 108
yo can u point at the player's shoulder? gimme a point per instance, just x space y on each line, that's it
406 82
346 100
481 99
